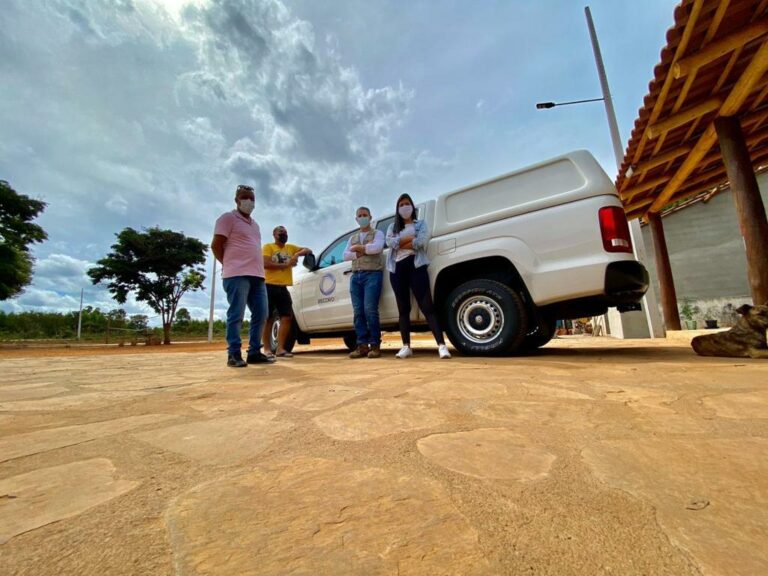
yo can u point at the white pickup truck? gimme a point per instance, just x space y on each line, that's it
508 256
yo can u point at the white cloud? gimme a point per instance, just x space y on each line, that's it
47 300
62 266
117 204
201 136
151 112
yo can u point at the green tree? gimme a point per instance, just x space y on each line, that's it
159 266
16 234
183 318
117 318
138 322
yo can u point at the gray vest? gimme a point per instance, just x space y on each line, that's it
368 261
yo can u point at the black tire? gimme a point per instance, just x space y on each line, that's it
350 340
485 318
290 340
541 333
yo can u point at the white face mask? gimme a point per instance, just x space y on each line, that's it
405 211
246 206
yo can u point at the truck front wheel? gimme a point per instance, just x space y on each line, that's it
274 324
485 318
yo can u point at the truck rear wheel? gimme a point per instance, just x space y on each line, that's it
290 340
485 318
538 335
350 340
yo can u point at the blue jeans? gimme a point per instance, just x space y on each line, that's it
365 290
242 291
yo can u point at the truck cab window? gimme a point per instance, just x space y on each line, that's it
335 252
384 224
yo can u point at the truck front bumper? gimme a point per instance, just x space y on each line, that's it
625 282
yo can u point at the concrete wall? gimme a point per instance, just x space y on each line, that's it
706 250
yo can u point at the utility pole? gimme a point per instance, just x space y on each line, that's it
213 295
607 100
655 328
80 316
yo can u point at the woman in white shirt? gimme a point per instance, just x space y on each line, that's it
407 263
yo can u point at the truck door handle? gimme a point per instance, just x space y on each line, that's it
348 272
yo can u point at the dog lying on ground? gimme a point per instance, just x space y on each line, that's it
746 339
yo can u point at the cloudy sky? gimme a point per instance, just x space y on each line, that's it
149 112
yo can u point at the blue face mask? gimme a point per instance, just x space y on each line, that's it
363 221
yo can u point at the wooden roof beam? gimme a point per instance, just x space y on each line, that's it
717 19
637 205
674 153
746 83
630 193
720 48
684 117
739 93
662 159
638 209
700 183
662 97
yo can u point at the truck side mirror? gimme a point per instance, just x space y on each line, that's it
310 262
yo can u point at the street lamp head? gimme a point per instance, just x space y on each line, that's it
543 105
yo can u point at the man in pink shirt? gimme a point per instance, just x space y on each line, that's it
237 245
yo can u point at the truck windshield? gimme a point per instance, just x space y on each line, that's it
335 252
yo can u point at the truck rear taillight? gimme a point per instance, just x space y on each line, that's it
615 229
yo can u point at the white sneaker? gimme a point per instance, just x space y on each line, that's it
405 352
443 351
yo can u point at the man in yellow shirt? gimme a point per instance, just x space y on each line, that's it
279 260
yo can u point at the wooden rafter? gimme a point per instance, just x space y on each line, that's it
726 72
684 117
717 19
660 159
706 178
637 209
681 47
712 29
644 186
720 48
731 106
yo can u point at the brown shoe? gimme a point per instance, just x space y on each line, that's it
360 352
375 352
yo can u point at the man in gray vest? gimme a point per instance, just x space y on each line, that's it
364 249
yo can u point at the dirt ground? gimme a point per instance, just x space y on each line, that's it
594 456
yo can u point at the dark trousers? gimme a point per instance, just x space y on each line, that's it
405 279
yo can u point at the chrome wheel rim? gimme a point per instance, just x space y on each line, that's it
480 319
273 334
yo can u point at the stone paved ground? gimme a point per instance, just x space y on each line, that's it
593 457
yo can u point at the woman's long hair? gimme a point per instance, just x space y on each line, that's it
399 223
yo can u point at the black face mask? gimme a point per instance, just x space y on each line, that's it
283 238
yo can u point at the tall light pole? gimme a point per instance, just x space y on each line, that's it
80 315
650 306
618 149
213 296
655 328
